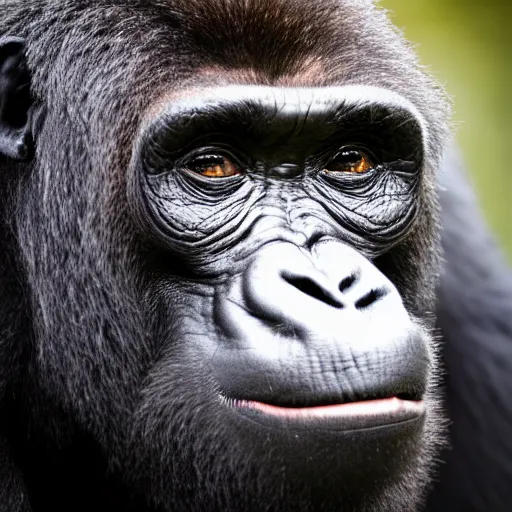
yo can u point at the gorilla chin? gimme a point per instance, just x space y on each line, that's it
338 441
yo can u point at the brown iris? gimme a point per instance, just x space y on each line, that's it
214 166
351 161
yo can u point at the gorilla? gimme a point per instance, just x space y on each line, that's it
222 225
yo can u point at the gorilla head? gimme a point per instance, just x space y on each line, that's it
221 244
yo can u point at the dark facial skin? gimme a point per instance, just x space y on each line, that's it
229 259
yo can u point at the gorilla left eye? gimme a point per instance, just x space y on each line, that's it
214 166
350 161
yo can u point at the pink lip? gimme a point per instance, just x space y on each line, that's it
395 407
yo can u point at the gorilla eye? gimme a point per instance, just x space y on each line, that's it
350 161
214 166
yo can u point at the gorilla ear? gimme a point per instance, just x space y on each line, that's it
16 139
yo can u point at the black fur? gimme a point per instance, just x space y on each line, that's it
474 316
84 391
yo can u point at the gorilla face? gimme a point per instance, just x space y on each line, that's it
305 370
229 245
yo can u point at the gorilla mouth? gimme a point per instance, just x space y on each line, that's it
351 416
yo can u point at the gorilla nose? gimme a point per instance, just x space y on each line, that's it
319 326
303 290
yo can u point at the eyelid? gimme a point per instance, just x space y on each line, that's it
224 151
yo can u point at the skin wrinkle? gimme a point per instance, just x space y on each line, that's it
345 220
352 210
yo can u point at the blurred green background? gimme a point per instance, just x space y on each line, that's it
467 45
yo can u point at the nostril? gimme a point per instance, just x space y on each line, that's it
371 297
310 287
347 283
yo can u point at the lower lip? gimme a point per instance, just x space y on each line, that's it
353 416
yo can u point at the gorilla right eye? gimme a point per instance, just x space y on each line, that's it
214 166
351 160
